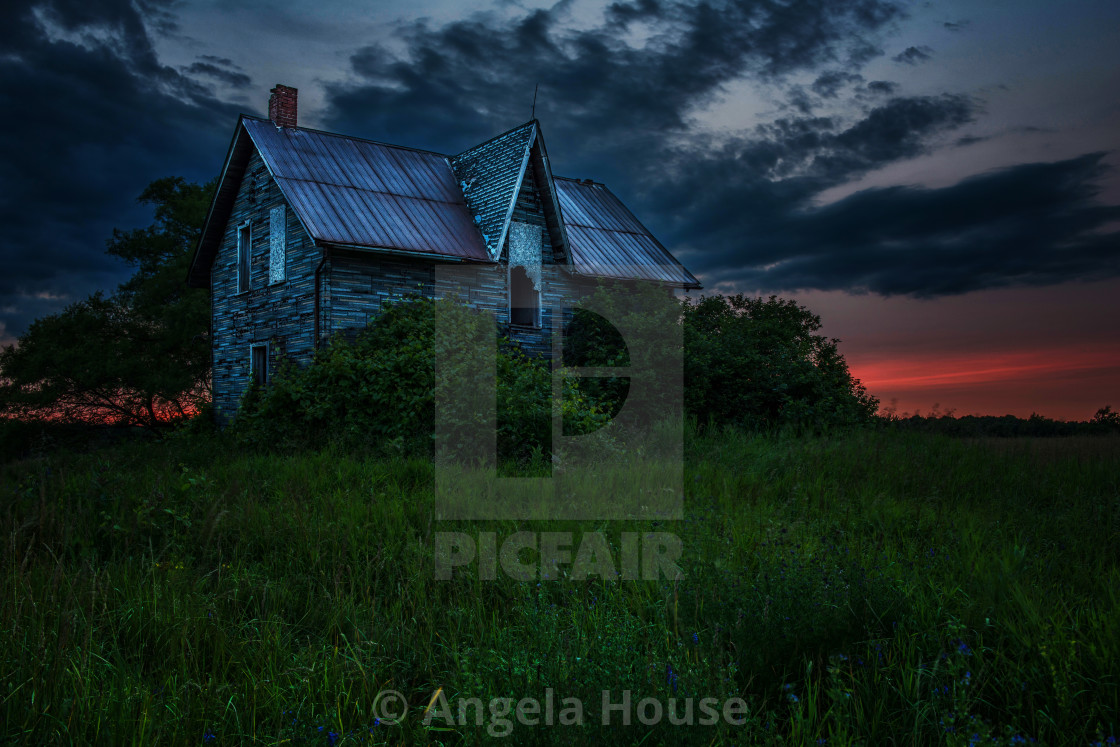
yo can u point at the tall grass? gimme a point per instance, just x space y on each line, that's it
872 589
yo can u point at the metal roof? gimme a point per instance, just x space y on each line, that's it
606 240
361 193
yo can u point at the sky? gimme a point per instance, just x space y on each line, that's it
938 182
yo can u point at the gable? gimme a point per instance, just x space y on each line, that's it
490 177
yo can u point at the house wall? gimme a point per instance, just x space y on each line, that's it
360 282
280 314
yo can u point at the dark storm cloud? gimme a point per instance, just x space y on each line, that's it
882 87
913 55
1032 224
472 78
774 172
96 117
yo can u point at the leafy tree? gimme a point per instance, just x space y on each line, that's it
1106 419
750 362
760 363
140 356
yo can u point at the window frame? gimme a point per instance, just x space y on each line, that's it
245 257
262 381
273 241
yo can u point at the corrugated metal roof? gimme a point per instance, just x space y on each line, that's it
606 239
490 175
362 193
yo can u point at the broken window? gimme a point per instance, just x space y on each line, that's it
244 243
524 300
524 274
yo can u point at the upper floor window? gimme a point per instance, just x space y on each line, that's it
244 258
277 235
524 274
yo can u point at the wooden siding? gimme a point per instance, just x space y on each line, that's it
281 314
360 283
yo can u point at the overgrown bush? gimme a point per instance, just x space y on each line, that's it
378 392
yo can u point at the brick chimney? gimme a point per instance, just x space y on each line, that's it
282 106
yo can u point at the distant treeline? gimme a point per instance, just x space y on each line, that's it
1105 422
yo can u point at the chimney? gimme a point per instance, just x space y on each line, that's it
282 106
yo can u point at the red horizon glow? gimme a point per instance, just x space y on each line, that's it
1052 382
1052 350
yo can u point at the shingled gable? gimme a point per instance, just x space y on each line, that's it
491 174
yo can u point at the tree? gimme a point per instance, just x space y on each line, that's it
749 362
759 363
140 356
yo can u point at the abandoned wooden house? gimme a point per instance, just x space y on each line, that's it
310 232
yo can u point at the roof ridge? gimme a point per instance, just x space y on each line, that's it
352 137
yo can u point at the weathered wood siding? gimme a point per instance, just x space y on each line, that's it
280 314
360 283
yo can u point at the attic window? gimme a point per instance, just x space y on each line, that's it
244 244
524 299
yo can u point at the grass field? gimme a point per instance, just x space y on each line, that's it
876 588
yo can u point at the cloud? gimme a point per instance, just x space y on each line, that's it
913 55
471 78
220 73
98 118
829 83
882 87
1031 224
955 25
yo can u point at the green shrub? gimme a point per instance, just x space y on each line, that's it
378 392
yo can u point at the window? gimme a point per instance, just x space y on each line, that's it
258 364
244 245
276 237
524 299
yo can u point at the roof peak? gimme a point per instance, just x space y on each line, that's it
534 123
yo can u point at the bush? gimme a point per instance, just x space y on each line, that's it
379 392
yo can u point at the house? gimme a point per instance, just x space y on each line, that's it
310 232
